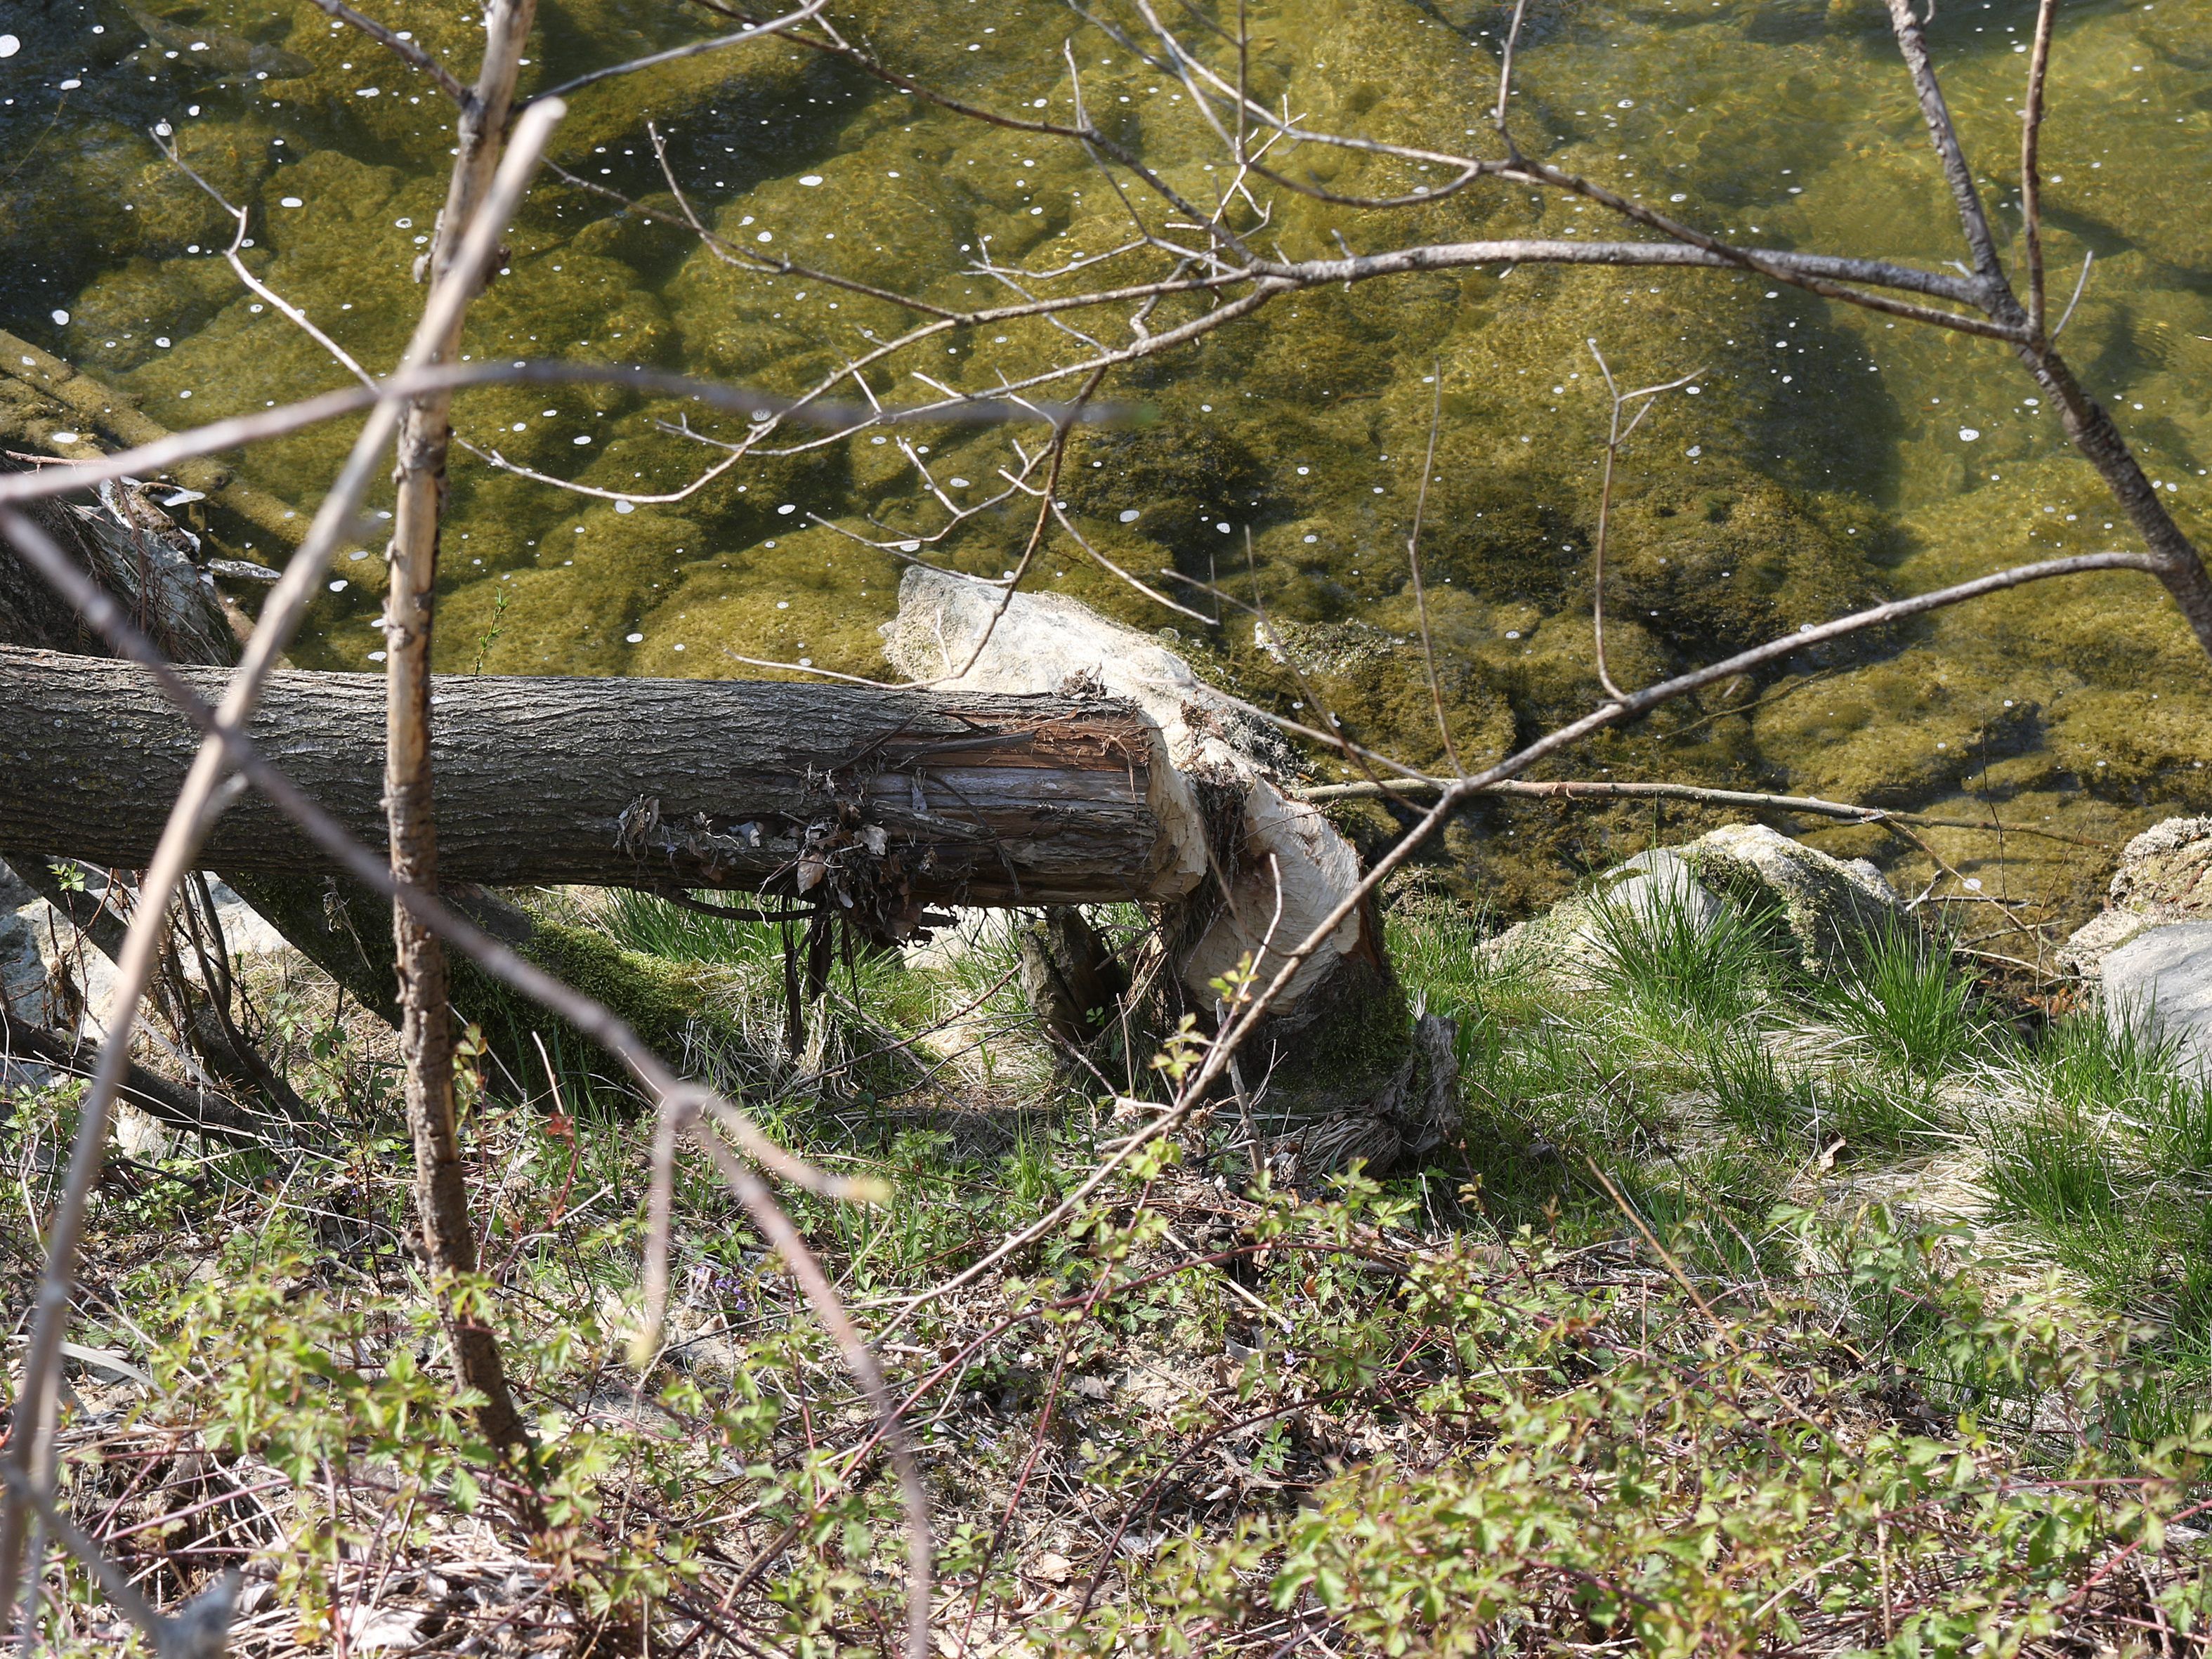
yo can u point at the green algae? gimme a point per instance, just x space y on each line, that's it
1822 463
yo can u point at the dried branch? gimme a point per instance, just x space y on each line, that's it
406 50
1616 436
2030 177
1572 789
1943 134
426 1027
174 150
1413 563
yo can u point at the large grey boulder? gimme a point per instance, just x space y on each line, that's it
2161 981
2147 956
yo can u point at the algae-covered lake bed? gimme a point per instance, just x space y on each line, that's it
1822 458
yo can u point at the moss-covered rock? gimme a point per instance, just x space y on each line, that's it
1832 909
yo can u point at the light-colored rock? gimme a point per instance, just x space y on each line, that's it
2165 876
22 961
2147 956
2161 980
246 931
1831 908
1657 883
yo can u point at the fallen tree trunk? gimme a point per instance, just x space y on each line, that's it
878 801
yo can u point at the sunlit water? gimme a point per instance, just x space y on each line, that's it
1826 456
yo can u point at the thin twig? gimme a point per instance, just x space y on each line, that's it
2030 179
675 54
1413 560
406 50
1601 789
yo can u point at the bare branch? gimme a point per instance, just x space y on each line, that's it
2030 179
1413 561
426 1024
285 309
2080 282
1943 134
1615 436
675 54
1499 119
1605 789
407 51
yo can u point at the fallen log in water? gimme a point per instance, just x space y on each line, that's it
881 801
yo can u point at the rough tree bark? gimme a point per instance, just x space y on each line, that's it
877 802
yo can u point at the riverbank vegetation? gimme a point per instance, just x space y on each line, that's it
1752 1310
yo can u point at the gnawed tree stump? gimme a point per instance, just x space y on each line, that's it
1345 1076
1278 866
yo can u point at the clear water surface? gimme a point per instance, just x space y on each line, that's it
1826 457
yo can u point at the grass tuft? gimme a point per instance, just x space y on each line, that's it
1909 1002
1665 960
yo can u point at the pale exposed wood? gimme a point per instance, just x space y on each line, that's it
1279 864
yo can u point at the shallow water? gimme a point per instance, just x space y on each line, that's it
1826 457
